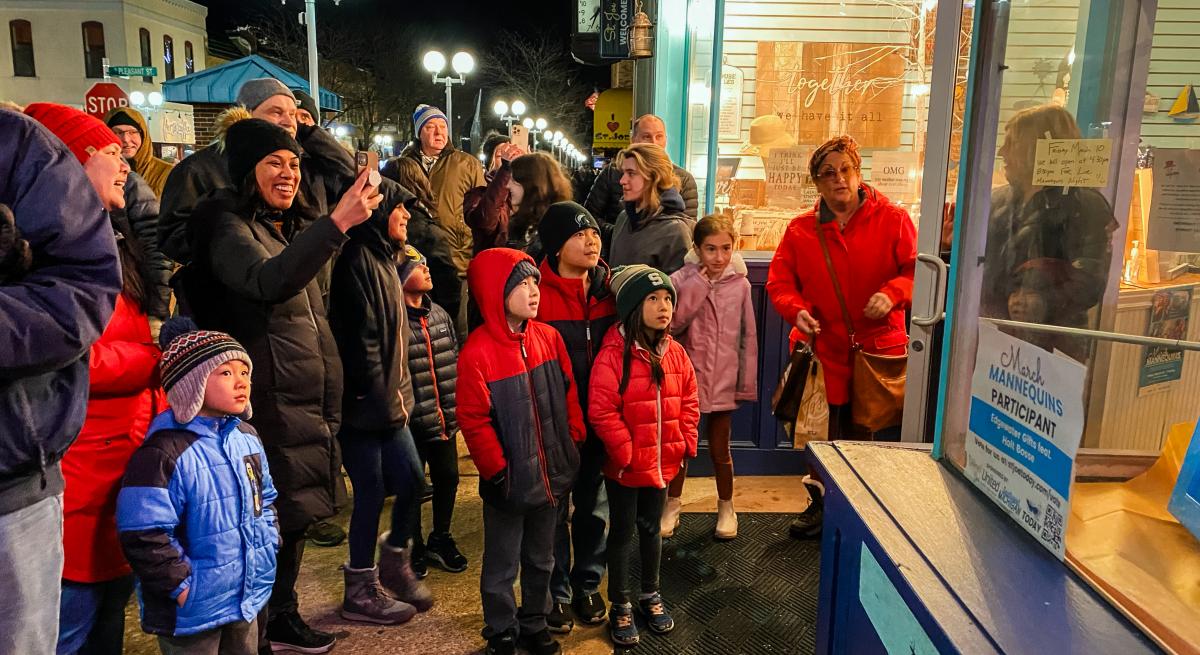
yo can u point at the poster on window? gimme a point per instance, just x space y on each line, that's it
1169 310
730 126
822 90
1024 429
1174 222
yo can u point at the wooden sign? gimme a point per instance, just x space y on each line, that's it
822 90
788 181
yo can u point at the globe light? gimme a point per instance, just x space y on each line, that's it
340 131
548 135
463 63
558 137
540 124
434 61
155 98
501 108
528 123
137 98
518 107
378 139
387 139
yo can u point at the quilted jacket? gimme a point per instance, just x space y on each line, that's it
433 365
517 403
195 512
582 316
649 429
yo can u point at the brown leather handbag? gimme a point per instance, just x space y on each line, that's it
876 381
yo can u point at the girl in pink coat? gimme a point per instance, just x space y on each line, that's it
714 320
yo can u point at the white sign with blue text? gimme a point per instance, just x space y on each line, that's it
1025 426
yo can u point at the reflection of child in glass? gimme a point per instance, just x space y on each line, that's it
1045 248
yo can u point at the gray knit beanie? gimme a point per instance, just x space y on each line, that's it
254 92
522 270
189 356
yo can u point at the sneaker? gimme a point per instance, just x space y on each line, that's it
420 567
290 632
808 524
502 645
621 626
325 534
655 612
590 608
539 643
443 552
559 620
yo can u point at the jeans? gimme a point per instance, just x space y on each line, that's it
512 540
640 510
380 463
239 638
585 532
442 459
92 616
31 564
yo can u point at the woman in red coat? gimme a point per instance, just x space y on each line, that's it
872 244
123 397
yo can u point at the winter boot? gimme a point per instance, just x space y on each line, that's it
397 577
670 517
366 601
808 524
727 522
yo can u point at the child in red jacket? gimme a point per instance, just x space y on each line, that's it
643 405
521 420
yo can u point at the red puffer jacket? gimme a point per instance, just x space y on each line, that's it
648 430
123 398
876 253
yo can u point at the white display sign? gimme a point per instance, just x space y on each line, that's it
1174 222
894 174
730 125
1025 425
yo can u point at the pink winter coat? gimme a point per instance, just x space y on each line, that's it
715 323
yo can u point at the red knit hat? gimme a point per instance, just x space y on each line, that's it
76 129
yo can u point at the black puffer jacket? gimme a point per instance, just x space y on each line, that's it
433 362
367 316
263 291
141 210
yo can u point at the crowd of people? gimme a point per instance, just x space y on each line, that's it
193 352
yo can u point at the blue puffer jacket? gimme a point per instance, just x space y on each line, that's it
195 512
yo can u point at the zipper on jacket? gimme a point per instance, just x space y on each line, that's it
658 433
437 395
537 423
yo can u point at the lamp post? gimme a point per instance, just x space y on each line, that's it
462 63
529 125
557 140
548 138
501 108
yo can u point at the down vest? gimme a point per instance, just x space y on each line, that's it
517 403
649 429
433 364
196 513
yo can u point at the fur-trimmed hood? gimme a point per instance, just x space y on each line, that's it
225 120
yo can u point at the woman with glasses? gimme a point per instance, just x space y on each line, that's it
871 245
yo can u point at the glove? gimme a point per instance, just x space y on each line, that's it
16 257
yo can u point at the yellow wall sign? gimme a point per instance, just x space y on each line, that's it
613 119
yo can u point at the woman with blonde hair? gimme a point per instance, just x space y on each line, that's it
654 228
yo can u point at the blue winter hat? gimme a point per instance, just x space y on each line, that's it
424 114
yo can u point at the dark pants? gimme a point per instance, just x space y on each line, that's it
585 532
442 459
287 571
92 617
630 510
238 638
380 463
512 540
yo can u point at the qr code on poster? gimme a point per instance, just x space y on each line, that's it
1052 527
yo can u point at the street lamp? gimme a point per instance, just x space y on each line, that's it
462 63
501 108
540 124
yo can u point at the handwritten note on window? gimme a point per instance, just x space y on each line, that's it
1072 162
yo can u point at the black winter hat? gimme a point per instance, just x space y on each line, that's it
561 222
306 102
248 141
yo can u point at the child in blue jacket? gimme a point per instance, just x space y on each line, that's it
195 509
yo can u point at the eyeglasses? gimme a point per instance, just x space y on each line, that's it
832 174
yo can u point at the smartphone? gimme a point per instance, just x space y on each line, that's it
368 159
520 136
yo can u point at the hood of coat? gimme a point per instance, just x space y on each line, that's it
735 269
598 280
201 425
670 204
146 151
373 233
487 276
413 149
418 313
225 120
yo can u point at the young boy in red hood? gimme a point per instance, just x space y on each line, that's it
521 420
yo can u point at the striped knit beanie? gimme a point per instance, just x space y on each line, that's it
189 356
423 114
632 283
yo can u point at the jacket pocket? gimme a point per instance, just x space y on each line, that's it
889 342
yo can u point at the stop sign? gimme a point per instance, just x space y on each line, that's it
102 97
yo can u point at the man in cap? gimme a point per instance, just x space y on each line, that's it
327 169
605 200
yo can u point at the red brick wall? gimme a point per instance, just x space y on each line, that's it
203 117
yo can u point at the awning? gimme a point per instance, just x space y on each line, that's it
220 84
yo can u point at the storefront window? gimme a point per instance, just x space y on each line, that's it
1075 273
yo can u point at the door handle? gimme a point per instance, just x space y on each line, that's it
939 285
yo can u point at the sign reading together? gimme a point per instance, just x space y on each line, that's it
822 90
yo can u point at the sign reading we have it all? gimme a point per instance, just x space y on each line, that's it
1025 425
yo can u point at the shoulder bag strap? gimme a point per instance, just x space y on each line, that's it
837 285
